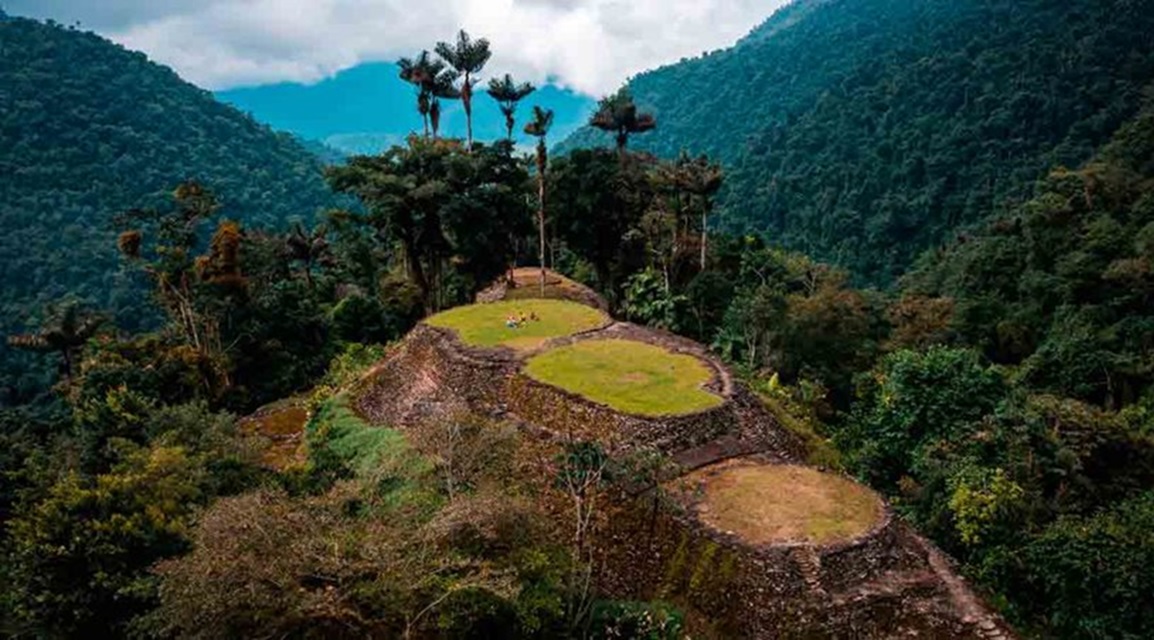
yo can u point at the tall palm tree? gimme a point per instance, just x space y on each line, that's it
422 72
539 128
618 114
467 57
508 93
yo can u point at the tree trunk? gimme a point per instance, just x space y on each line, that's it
542 161
704 235
417 272
467 102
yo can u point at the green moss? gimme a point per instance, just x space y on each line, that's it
674 567
485 325
820 452
702 571
629 376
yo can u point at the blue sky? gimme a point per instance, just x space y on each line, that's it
590 46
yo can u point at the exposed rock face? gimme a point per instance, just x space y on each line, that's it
884 582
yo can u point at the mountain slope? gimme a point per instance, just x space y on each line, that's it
865 131
366 108
89 129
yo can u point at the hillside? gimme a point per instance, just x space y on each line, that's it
89 129
1062 284
367 108
865 131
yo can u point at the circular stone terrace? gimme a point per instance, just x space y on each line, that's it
773 504
562 344
628 376
520 325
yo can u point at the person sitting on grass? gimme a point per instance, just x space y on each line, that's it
533 316
511 322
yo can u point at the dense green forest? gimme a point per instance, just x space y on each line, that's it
89 129
999 394
863 132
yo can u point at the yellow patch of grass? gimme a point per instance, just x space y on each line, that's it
784 503
631 377
484 325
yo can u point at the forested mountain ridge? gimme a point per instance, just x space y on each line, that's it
89 129
866 131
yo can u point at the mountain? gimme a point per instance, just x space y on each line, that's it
866 131
89 129
368 108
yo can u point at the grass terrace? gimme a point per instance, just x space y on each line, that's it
765 504
629 376
486 325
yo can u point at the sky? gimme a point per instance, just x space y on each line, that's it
589 46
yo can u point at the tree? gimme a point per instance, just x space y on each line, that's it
617 114
442 87
596 203
508 93
308 249
67 328
539 127
467 57
701 179
450 214
423 73
582 471
192 290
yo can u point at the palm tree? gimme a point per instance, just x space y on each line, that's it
309 249
617 114
67 329
467 57
508 93
441 87
539 127
701 178
422 72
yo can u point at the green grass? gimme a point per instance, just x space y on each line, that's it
631 377
483 325
341 444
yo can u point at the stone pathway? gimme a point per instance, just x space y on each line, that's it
972 611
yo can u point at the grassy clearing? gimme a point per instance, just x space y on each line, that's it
484 325
782 503
631 377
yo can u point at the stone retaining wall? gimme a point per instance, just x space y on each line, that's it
876 586
565 414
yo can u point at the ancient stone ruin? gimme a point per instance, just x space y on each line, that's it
738 531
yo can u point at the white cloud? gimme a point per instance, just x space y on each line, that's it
591 46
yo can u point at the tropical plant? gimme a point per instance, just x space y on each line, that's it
427 76
539 128
508 93
468 58
66 330
701 180
309 249
618 115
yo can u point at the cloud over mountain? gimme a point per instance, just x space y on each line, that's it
591 46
